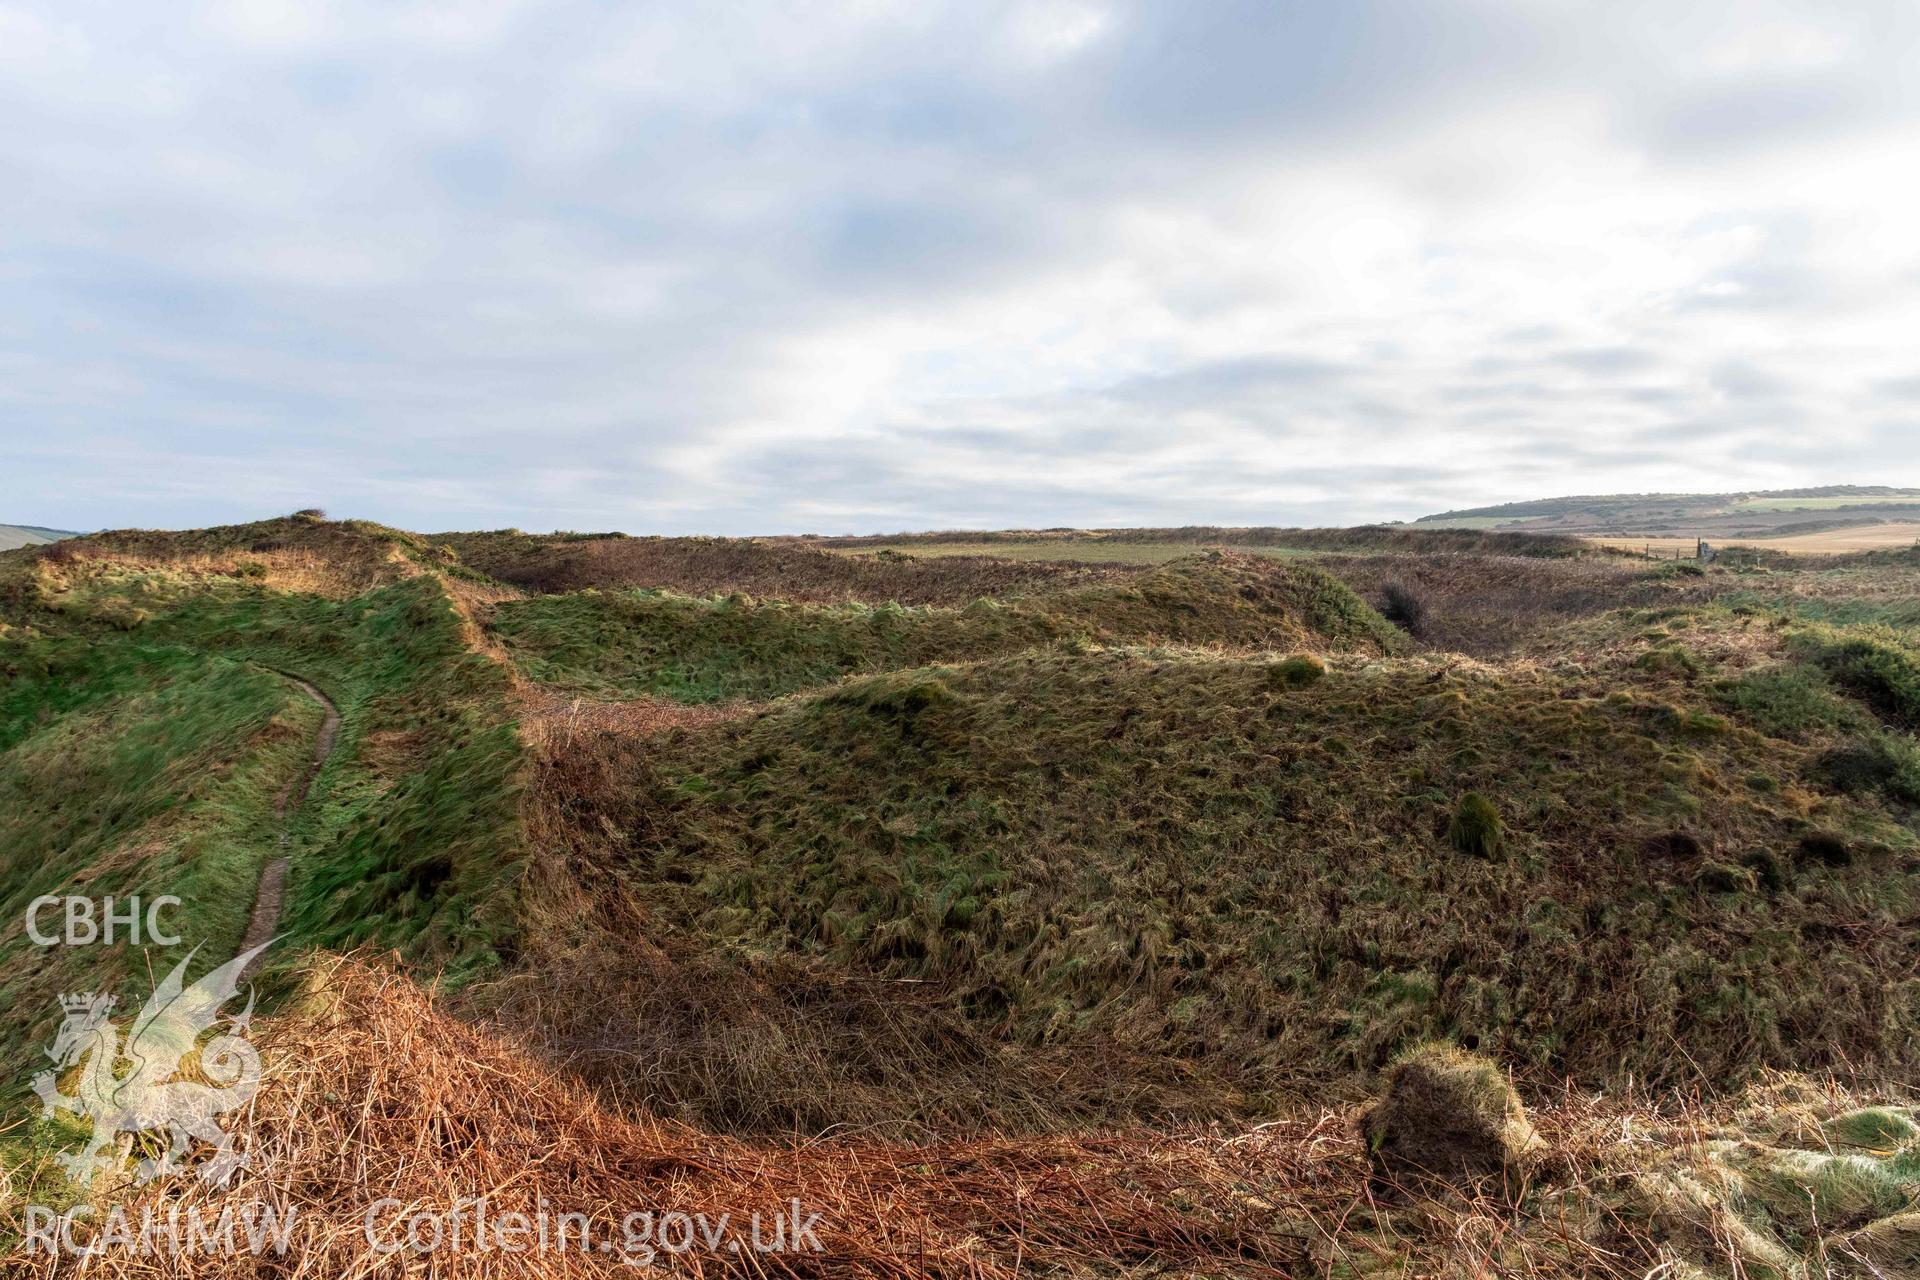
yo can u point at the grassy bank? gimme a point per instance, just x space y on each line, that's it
631 643
1250 861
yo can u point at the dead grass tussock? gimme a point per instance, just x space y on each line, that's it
552 721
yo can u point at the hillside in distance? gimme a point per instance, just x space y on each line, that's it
27 535
1063 907
1752 514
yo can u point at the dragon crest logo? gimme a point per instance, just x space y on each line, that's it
156 1075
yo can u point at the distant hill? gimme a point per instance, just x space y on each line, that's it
1756 513
27 535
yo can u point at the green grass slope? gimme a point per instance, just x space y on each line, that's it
785 569
158 696
132 770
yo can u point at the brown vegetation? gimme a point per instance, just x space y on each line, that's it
775 569
379 1095
1487 605
1403 539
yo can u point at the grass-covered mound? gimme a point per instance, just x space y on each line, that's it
1208 857
1848 692
699 650
788 570
303 552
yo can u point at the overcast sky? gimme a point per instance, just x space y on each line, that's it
866 266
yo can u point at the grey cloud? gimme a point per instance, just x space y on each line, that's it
1723 117
1744 381
1607 360
1229 380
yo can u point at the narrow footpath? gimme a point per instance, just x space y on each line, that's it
272 892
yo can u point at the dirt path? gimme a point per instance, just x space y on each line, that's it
273 877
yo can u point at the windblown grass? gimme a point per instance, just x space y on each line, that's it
963 939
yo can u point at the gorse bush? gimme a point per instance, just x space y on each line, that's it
1875 664
1790 700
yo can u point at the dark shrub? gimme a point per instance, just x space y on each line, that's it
1403 608
1676 847
1888 763
1297 672
1476 828
1767 869
1826 848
